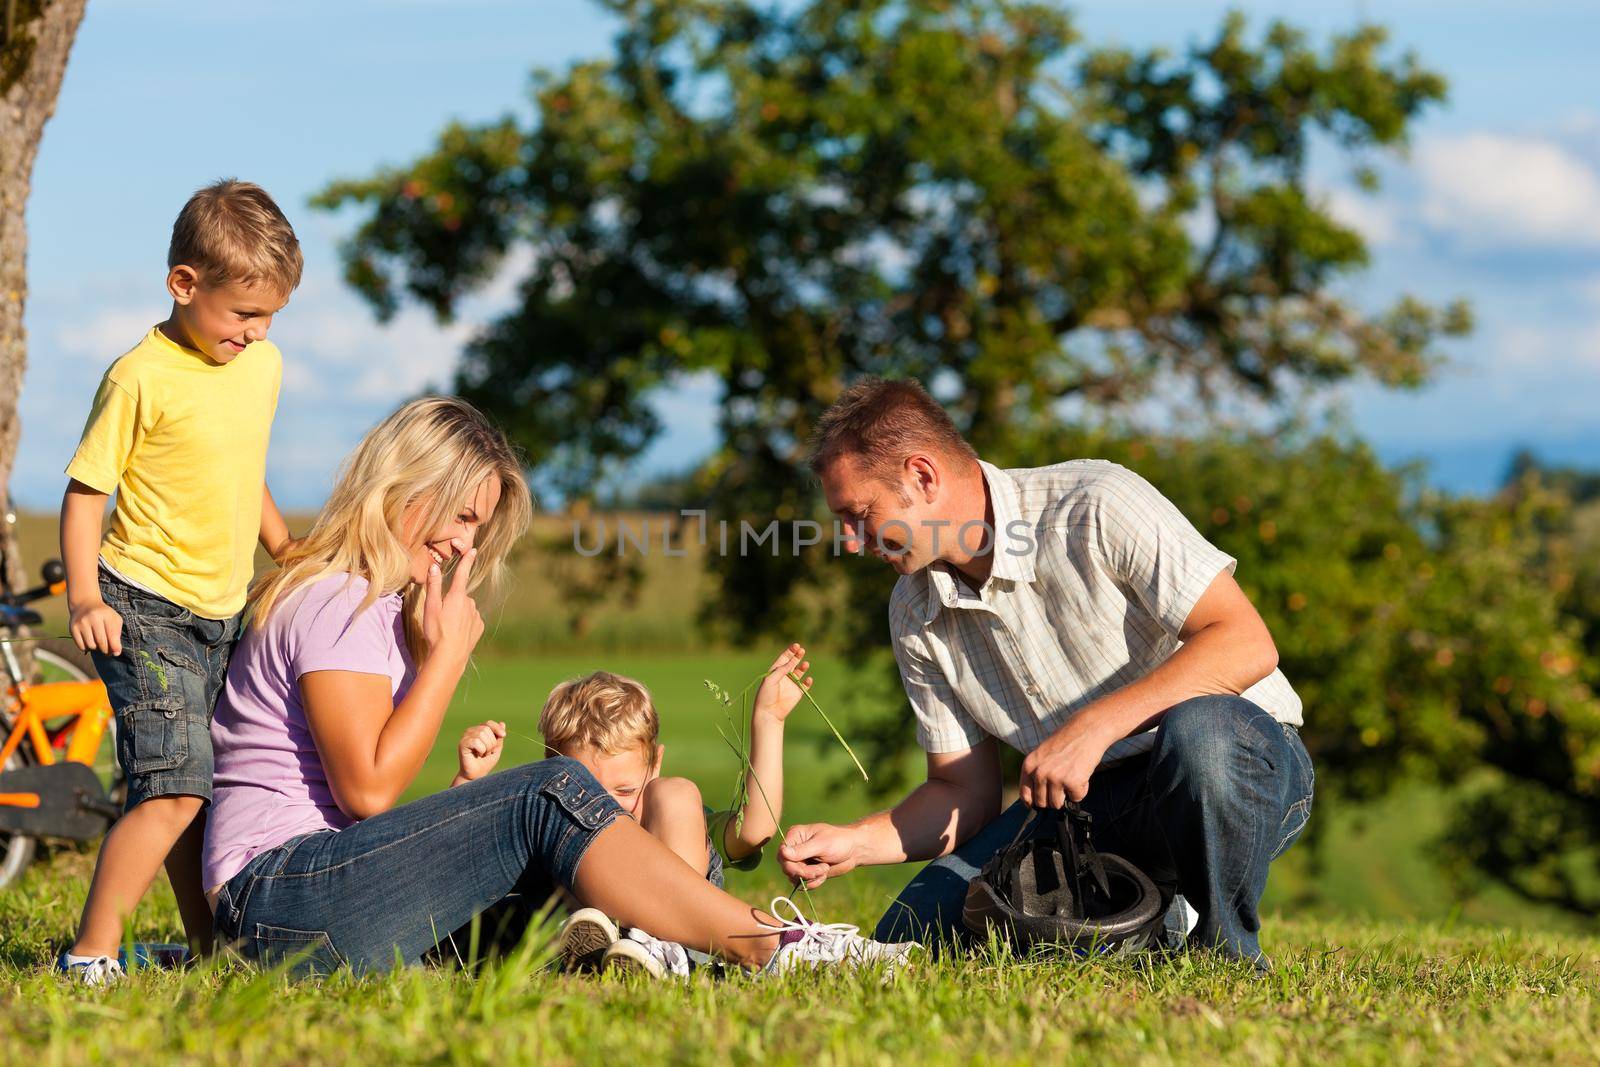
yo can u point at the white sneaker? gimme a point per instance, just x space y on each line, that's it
96 972
804 943
638 951
584 938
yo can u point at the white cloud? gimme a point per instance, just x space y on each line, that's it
1369 216
335 345
1497 188
104 336
1550 350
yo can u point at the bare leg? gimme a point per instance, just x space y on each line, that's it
636 879
183 870
674 814
130 856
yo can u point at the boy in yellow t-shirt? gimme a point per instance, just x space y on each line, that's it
178 432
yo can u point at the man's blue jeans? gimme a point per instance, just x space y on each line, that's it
1225 791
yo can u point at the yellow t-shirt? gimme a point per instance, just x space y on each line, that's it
182 441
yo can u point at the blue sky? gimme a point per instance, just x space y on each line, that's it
1499 202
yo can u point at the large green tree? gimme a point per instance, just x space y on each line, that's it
791 196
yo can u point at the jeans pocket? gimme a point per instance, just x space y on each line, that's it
151 663
303 952
128 600
153 735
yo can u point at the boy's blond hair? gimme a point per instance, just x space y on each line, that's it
232 231
602 712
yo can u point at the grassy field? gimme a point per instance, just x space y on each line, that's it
1346 988
1344 991
1377 961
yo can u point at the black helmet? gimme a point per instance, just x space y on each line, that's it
1050 886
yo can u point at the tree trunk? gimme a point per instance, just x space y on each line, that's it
35 38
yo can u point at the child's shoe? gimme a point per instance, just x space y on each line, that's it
584 939
638 952
99 971
95 972
161 955
803 943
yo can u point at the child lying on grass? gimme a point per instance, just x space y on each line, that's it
609 724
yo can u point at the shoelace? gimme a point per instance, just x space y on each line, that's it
831 939
99 972
669 953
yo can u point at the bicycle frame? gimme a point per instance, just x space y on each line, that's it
85 702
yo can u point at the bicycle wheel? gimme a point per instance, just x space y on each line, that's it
59 660
16 850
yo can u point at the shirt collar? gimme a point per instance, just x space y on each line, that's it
1010 561
1011 564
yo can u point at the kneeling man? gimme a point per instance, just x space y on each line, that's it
1072 613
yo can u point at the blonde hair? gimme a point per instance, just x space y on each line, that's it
232 231
604 712
436 452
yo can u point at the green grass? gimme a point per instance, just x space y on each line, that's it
1377 961
1344 991
1347 988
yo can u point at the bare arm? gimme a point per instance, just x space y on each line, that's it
763 806
961 795
274 531
370 749
93 624
1226 649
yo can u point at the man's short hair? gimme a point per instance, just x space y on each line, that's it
601 712
232 231
881 422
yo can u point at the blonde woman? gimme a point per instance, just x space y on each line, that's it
334 699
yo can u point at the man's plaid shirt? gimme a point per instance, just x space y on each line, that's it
1094 574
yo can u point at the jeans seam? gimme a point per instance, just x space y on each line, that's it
1302 806
397 841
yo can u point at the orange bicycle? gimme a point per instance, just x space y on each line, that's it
57 777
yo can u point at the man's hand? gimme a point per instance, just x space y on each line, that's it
480 750
96 626
813 853
784 685
1059 769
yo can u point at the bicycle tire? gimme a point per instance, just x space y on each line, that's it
16 850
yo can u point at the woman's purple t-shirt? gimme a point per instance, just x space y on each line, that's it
269 784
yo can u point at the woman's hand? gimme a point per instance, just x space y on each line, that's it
451 624
480 750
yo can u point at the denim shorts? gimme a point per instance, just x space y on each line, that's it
163 689
714 865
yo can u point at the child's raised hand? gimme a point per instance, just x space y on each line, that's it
480 750
784 685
